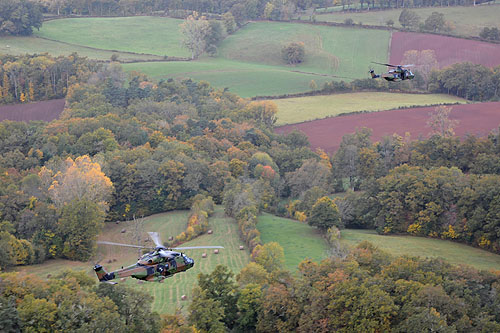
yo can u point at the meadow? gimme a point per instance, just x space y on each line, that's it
139 34
467 21
28 45
452 252
167 295
299 240
249 61
301 109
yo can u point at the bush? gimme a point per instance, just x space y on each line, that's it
293 53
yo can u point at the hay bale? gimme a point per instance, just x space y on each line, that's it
242 247
203 255
110 261
171 238
123 279
216 251
123 231
184 297
209 232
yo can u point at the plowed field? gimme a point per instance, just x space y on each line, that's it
45 110
478 119
449 50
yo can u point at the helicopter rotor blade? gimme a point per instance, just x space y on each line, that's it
197 247
156 238
121 244
389 65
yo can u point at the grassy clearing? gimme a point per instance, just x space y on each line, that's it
167 295
454 253
140 34
468 21
299 241
296 110
22 45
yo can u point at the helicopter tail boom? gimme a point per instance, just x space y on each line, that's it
102 275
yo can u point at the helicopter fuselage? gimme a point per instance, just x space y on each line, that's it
156 265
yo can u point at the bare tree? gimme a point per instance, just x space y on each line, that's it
440 121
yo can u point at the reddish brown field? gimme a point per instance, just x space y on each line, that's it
448 50
477 119
45 110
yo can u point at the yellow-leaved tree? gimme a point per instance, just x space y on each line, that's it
78 179
81 193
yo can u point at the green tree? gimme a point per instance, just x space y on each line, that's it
409 19
9 318
220 287
206 313
293 53
195 30
435 22
79 225
37 315
19 17
132 305
270 256
324 214
249 304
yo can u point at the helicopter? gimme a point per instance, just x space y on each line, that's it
399 73
156 265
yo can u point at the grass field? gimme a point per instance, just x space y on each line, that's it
23 45
296 110
244 79
140 34
299 240
328 50
167 295
249 61
454 253
468 21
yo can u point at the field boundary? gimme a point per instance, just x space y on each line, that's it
160 58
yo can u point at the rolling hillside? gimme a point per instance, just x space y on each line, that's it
167 295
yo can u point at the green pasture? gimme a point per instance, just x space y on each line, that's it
167 295
299 240
244 79
300 109
468 21
31 45
335 51
452 252
139 34
249 61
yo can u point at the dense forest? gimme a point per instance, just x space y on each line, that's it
129 146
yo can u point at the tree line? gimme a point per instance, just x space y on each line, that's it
30 78
19 17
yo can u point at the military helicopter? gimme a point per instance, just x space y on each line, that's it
157 265
399 73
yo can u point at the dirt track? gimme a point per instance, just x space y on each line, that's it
478 119
449 50
45 110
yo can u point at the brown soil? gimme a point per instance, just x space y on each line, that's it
449 50
45 110
477 119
